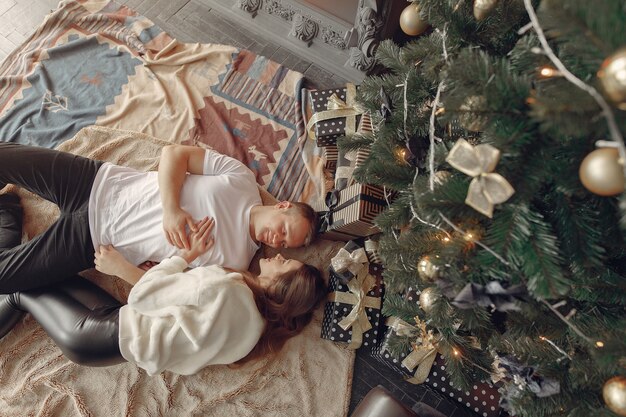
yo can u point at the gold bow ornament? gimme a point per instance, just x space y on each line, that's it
358 287
422 356
336 108
487 188
345 261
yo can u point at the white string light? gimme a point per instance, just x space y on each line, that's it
558 349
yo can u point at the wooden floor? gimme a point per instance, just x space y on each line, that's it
189 21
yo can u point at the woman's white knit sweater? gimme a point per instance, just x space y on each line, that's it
183 321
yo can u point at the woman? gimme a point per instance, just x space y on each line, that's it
174 320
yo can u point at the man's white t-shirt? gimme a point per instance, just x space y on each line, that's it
125 211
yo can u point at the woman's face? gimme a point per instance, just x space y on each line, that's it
272 268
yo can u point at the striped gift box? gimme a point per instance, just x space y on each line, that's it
353 215
349 161
330 155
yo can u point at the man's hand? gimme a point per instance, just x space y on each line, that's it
175 222
201 240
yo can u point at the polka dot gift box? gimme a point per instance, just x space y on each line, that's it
352 312
481 398
332 113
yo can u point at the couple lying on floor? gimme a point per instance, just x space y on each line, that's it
216 313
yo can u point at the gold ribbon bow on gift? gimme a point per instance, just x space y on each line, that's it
487 188
424 350
358 287
336 108
346 261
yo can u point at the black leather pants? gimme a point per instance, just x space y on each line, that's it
79 316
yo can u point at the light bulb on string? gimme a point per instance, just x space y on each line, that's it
549 72
400 154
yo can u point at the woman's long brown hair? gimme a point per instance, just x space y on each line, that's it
287 306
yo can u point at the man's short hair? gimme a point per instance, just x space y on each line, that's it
307 212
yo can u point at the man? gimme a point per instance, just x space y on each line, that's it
105 204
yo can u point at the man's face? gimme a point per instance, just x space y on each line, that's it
283 230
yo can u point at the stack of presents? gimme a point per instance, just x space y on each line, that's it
352 314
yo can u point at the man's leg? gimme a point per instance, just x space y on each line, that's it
60 252
10 221
87 336
65 248
60 177
10 236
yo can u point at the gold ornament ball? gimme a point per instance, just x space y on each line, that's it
428 296
483 8
410 21
470 111
426 270
612 75
614 394
601 172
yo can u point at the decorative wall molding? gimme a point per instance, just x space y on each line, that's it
274 7
250 6
334 38
343 48
304 29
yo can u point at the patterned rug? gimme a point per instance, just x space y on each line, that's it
98 63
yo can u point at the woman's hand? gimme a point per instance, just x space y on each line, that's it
174 226
200 241
109 261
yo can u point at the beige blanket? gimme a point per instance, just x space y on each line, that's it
310 377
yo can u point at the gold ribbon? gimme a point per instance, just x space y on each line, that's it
346 261
336 108
358 288
487 188
424 350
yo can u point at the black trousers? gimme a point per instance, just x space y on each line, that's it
65 248
79 316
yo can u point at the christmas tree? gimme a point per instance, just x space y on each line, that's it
499 135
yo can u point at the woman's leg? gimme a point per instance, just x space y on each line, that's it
9 315
79 316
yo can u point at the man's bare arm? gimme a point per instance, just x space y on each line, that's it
176 161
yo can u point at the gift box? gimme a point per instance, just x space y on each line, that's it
349 213
330 155
352 311
404 364
482 398
422 364
332 113
347 162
